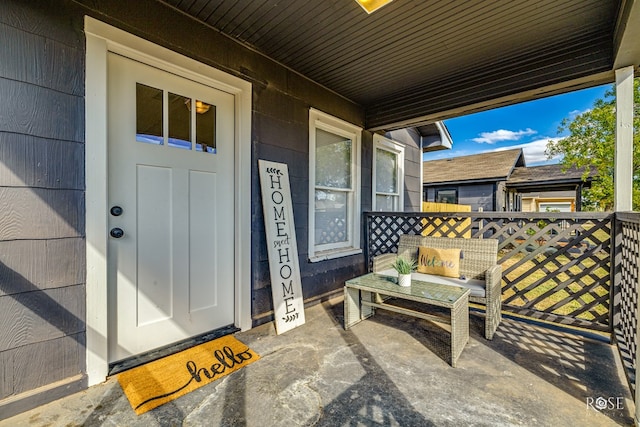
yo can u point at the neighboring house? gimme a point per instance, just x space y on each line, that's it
478 180
501 181
547 188
549 201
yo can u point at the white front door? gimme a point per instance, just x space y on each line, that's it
171 207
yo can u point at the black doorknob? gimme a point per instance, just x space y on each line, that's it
116 211
116 233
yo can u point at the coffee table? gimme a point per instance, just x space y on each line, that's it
363 294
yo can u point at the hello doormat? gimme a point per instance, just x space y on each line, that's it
158 382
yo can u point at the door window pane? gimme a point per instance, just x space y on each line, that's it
179 121
386 172
148 114
331 215
205 127
333 160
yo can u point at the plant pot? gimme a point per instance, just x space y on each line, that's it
404 279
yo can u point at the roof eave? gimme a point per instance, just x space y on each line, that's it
466 182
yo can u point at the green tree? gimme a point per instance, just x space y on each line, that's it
591 143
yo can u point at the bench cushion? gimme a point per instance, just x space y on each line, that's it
476 286
479 254
438 261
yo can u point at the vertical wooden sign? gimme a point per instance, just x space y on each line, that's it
286 286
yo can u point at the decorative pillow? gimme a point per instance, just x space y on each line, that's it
441 262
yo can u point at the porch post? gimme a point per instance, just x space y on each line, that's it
579 197
623 170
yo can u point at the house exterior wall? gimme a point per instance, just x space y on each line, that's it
42 177
531 200
42 222
535 203
528 205
412 167
475 195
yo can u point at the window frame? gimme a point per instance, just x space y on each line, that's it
438 190
327 123
383 143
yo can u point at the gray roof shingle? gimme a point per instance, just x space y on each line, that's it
545 173
493 166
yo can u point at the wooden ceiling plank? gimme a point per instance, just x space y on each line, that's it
439 35
483 97
308 47
207 13
439 69
195 7
398 62
275 28
366 43
219 17
449 92
227 22
184 5
255 26
411 66
444 59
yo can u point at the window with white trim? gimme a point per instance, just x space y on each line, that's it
334 187
388 174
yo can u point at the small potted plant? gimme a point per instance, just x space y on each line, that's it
404 268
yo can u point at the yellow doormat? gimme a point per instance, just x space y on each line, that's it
158 382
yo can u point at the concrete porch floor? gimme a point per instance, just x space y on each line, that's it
385 371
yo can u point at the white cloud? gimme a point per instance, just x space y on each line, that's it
502 135
575 113
534 151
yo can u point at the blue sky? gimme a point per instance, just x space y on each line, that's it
529 125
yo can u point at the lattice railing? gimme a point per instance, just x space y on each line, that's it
627 273
556 266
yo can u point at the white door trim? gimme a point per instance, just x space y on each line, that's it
102 38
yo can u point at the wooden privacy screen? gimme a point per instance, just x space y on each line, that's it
434 224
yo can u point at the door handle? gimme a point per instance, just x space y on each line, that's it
116 233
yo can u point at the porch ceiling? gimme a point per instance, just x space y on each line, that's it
417 61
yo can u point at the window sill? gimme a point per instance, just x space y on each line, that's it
332 254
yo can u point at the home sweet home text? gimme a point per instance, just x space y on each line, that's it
286 288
